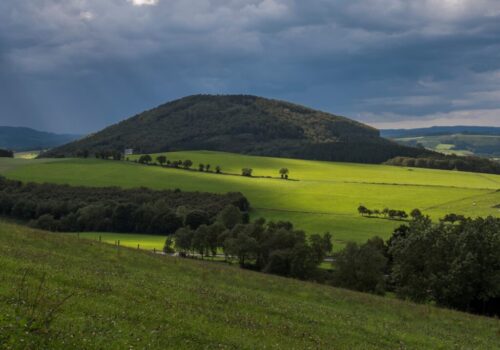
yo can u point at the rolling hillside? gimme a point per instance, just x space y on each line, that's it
242 124
129 299
324 197
26 139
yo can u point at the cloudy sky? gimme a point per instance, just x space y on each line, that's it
79 65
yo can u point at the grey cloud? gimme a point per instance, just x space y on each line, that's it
84 64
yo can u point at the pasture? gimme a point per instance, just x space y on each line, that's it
128 299
319 197
146 242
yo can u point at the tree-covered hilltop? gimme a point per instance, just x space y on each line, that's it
242 124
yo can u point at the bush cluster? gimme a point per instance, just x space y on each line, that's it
264 246
454 263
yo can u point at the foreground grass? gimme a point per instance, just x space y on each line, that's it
324 198
128 299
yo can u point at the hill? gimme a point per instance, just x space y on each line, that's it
242 124
26 139
121 298
319 197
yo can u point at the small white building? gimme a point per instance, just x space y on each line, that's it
128 151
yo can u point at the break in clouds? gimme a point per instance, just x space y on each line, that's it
79 65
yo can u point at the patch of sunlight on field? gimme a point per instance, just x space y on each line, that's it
27 155
147 242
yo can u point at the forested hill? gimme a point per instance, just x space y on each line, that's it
243 124
27 139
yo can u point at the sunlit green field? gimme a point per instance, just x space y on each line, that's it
138 241
319 197
27 155
128 299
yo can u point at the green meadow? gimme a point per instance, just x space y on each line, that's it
319 197
121 298
147 242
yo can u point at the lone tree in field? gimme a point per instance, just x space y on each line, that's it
284 173
416 213
145 159
161 160
246 172
187 164
218 169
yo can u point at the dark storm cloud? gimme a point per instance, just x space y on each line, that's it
80 65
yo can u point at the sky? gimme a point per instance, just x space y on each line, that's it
76 66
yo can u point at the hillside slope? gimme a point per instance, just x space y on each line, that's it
26 139
243 124
122 298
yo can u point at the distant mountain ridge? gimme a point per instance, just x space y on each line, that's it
243 124
26 139
441 130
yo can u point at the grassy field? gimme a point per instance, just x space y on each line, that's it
323 197
147 242
129 299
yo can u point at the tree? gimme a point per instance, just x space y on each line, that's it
362 210
47 222
145 159
321 246
200 242
207 168
187 164
117 155
230 216
360 267
161 160
246 172
303 261
284 173
416 213
218 169
214 232
243 246
168 247
201 167
196 218
183 239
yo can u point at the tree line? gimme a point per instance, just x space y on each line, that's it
453 263
449 162
67 208
393 214
272 247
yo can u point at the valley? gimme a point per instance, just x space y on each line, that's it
319 196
